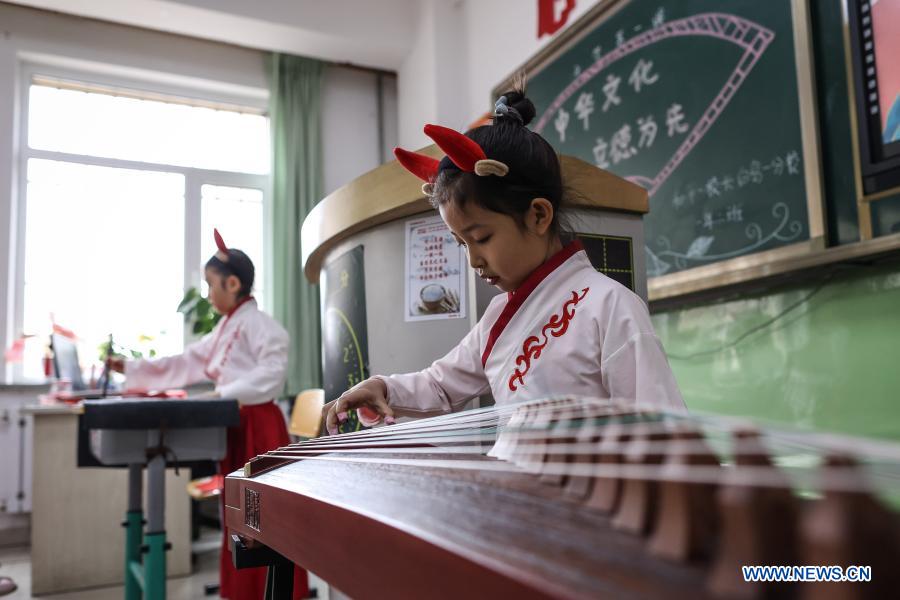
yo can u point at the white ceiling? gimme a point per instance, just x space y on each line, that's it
369 33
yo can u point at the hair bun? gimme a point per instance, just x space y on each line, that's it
519 108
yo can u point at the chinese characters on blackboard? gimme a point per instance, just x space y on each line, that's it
697 105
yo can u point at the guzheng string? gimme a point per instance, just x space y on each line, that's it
836 479
437 431
449 424
596 439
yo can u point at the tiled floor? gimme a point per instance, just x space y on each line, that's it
16 563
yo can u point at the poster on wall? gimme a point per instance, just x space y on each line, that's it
435 272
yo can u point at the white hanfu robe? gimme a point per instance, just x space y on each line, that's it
245 356
567 330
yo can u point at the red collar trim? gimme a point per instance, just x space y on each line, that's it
238 305
517 298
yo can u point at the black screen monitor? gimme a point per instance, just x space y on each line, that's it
65 361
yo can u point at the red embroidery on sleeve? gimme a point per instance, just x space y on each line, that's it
556 327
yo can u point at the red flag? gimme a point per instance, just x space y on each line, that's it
548 22
64 332
16 351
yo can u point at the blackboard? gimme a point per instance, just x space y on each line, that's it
345 339
611 255
699 101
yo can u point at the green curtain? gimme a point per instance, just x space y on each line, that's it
295 113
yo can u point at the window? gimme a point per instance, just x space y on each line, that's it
121 192
238 215
108 126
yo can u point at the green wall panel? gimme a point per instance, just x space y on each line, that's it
832 363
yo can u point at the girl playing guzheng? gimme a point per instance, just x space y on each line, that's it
560 327
245 356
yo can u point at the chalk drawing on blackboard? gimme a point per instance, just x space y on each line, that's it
642 75
561 122
787 230
611 91
619 147
699 246
720 186
647 127
584 107
734 175
751 37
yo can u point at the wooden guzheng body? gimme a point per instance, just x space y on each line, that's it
574 498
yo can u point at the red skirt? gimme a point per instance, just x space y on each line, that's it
262 429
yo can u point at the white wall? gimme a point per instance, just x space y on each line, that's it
461 49
501 35
416 80
350 129
8 142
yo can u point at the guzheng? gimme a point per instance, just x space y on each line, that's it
574 498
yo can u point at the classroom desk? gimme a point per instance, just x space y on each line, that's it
76 538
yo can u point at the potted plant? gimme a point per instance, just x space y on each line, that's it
198 312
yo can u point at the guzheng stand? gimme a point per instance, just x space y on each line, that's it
280 575
139 433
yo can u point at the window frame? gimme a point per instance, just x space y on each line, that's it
252 98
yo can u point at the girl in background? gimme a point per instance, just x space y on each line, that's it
245 356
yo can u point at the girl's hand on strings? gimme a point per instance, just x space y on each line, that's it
368 398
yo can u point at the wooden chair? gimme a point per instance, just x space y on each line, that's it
306 416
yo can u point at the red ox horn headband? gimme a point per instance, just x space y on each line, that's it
220 244
462 150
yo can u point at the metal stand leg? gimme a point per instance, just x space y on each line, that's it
280 577
134 525
280 581
156 546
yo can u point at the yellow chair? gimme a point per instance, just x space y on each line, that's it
306 416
